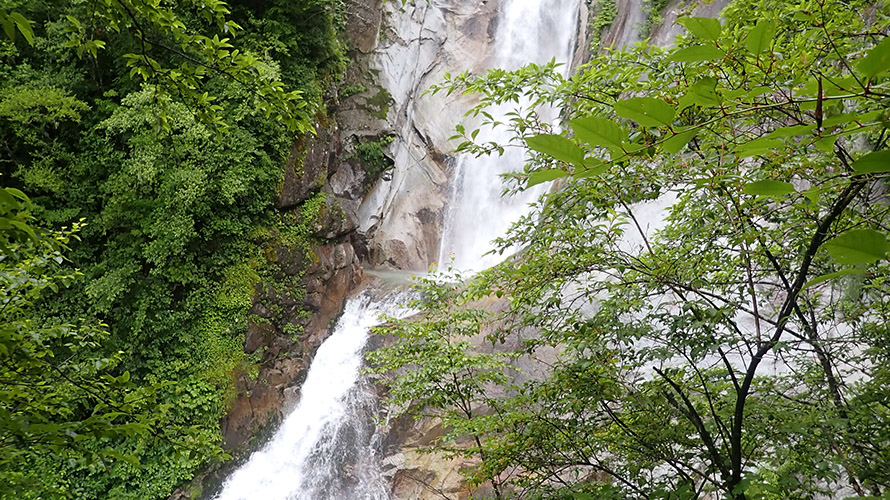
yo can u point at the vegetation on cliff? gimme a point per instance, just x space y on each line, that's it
142 147
712 269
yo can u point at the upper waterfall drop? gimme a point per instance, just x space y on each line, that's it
528 32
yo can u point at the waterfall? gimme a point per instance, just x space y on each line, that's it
529 32
325 449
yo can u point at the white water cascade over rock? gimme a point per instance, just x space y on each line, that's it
326 448
529 32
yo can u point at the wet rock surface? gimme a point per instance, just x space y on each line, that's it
307 167
403 214
665 32
285 336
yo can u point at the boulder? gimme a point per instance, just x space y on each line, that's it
307 167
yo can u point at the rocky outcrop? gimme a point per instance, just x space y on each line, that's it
627 27
420 43
292 315
307 167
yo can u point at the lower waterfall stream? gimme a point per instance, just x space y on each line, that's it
326 448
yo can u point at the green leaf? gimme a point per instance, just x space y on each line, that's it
697 53
830 276
702 27
28 230
874 162
791 131
73 20
758 91
24 26
130 459
8 26
858 246
877 60
646 111
813 194
598 131
844 118
761 36
825 144
761 146
539 176
18 194
556 146
702 93
768 187
680 139
8 201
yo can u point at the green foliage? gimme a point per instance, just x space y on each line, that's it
352 89
15 22
378 104
57 397
712 269
160 31
603 13
442 375
372 157
653 9
145 121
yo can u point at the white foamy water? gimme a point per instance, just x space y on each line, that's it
528 32
324 449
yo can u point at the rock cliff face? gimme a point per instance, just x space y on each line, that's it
666 31
420 43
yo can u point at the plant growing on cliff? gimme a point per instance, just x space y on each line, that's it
713 266
373 158
602 13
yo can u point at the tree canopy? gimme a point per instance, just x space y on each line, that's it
142 147
711 265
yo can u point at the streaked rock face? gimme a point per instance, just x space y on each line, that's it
665 32
402 215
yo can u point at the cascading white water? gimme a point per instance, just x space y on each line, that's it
324 449
528 32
